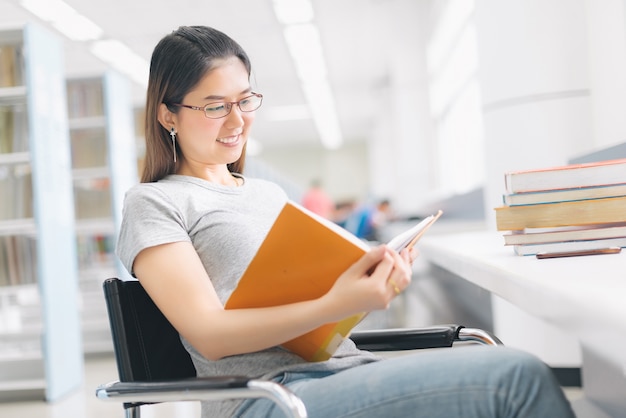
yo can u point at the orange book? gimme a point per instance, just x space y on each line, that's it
300 259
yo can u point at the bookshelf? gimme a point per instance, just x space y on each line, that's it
40 339
104 166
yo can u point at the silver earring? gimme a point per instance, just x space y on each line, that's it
173 135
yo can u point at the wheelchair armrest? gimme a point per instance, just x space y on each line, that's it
202 389
406 338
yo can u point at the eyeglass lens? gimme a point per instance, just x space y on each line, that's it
221 109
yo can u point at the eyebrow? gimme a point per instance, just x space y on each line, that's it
214 97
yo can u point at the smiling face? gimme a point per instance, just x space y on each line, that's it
210 144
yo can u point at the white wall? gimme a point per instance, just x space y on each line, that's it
552 80
607 69
400 147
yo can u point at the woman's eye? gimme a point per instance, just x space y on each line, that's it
217 107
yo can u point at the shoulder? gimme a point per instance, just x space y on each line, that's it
167 187
146 191
150 197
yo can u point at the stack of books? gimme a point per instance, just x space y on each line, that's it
575 209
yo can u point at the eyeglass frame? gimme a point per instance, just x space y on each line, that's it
228 104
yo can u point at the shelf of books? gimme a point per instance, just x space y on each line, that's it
571 210
40 339
103 168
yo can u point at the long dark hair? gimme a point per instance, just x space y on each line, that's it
179 61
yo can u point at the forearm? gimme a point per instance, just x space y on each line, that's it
239 331
185 295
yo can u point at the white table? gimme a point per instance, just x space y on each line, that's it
583 296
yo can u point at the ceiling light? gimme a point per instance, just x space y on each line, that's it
123 59
305 47
289 12
322 103
64 19
78 28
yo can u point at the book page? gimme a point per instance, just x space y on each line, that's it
409 238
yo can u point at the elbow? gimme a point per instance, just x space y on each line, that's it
212 355
215 352
211 351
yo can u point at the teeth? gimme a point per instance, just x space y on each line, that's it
228 140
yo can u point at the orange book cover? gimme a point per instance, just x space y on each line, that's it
300 259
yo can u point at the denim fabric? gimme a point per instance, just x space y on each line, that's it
468 382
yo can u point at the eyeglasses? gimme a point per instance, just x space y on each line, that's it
217 110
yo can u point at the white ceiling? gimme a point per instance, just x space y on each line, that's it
354 34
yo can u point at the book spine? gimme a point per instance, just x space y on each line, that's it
599 232
608 210
10 66
557 247
597 174
564 195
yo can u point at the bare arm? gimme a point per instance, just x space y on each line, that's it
175 278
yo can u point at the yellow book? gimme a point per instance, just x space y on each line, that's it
7 66
581 212
300 259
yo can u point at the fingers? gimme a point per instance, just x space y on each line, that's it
390 268
400 277
410 254
368 262
394 286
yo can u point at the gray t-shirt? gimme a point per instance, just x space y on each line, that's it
226 226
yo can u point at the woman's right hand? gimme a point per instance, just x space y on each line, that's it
372 282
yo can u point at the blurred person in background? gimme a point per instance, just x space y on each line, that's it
318 201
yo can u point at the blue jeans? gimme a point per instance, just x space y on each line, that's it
471 382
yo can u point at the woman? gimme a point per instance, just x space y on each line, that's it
194 223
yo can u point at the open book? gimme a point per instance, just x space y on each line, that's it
300 259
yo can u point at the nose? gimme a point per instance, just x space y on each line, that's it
235 117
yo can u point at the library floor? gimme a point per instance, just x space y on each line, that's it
83 403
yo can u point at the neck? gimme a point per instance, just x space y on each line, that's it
217 175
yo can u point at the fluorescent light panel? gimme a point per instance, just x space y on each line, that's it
305 46
322 105
289 12
64 18
123 59
77 27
